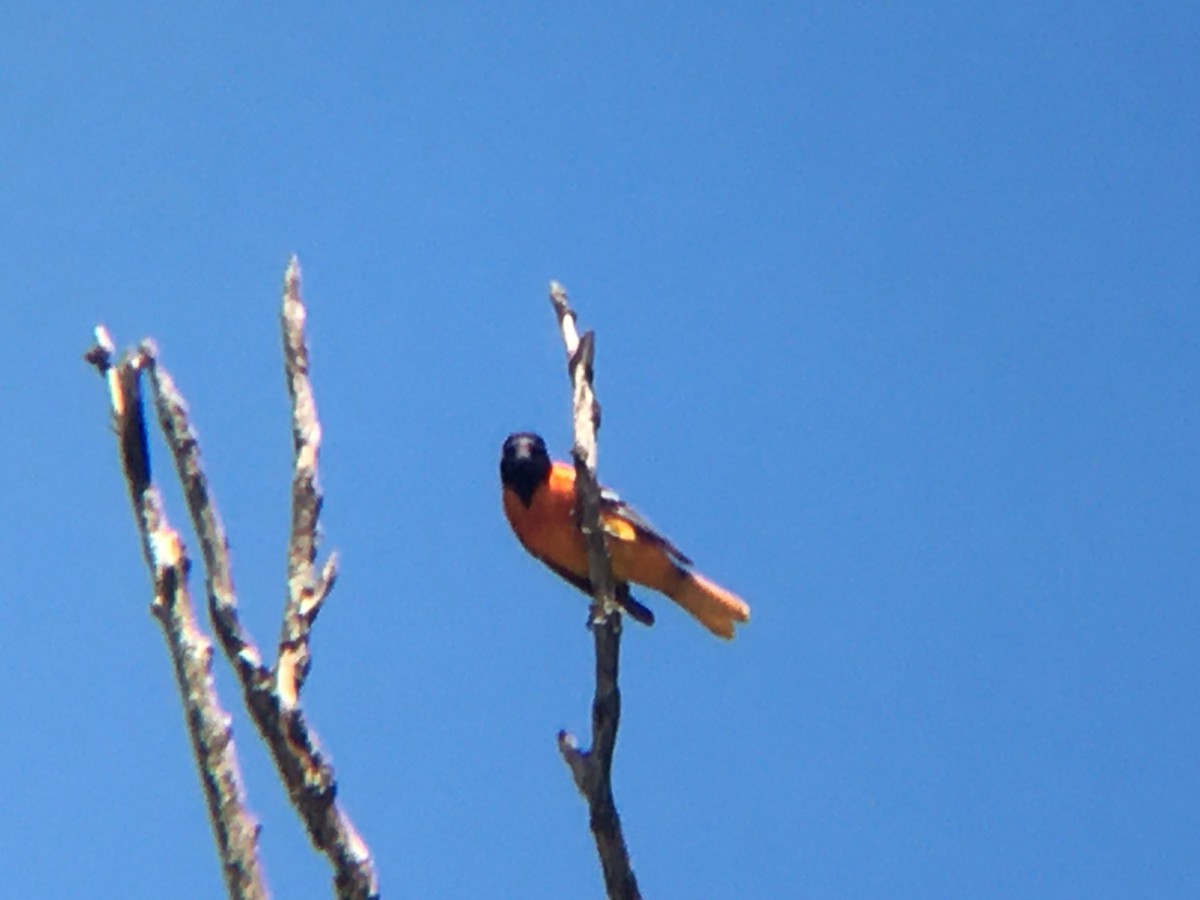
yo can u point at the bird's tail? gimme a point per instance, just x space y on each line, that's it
716 608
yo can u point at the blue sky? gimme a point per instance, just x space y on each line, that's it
898 336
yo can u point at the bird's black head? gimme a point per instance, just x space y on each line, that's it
524 464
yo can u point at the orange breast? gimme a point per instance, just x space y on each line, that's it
548 530
547 527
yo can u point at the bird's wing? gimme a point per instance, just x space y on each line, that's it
622 521
627 601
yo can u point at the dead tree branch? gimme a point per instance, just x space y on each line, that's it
307 589
272 694
234 827
592 769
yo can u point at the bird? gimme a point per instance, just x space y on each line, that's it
539 502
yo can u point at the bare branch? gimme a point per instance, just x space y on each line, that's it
234 827
306 590
592 769
175 421
272 695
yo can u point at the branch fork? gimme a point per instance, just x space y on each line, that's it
271 693
592 769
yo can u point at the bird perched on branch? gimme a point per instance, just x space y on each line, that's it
539 501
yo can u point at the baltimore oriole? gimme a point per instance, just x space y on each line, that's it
539 501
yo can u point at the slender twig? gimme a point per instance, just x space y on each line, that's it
307 589
234 827
592 769
272 694
175 421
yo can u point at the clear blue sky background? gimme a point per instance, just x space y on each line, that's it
898 336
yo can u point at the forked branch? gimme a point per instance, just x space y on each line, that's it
234 827
272 694
592 768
